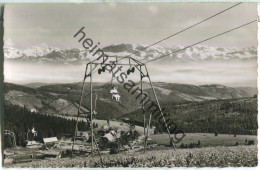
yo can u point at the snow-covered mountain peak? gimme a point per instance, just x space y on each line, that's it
139 51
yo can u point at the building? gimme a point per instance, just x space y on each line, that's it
109 137
33 144
112 135
82 135
50 141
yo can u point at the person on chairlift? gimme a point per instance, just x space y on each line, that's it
114 94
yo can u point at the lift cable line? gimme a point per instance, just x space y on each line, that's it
189 45
169 37
182 48
201 41
200 22
176 33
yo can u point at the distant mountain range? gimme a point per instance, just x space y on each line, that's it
36 85
78 56
50 99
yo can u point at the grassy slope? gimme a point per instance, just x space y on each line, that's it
107 108
166 92
206 139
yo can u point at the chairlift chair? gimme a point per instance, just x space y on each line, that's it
114 92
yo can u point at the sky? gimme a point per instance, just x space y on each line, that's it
113 23
53 25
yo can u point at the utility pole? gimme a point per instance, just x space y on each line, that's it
141 76
215 118
77 121
91 110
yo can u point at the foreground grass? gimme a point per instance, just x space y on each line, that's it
236 156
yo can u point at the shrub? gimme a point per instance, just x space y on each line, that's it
113 147
192 145
114 150
251 142
182 145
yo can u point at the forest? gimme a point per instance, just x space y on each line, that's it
225 116
20 120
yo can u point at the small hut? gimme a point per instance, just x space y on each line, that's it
49 142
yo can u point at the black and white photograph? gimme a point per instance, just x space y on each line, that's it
130 85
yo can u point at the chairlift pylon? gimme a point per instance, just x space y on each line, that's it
143 74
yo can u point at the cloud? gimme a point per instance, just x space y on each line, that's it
228 73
